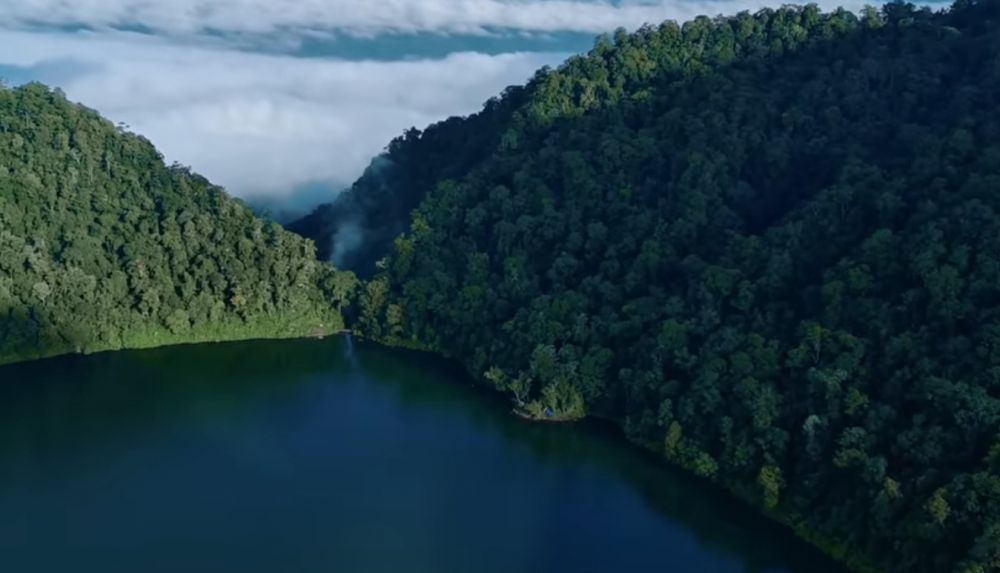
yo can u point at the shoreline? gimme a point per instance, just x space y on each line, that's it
525 415
852 561
168 341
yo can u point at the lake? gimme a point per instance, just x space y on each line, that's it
333 456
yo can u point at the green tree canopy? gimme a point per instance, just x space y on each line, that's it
768 245
102 246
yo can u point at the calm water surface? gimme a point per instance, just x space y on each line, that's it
320 456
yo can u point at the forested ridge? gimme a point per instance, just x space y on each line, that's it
102 246
358 228
768 245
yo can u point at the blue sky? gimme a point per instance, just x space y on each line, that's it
274 97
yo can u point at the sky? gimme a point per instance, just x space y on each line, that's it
284 102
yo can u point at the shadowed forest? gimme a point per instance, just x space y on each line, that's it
767 246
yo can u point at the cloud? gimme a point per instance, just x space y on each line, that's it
222 85
186 17
258 123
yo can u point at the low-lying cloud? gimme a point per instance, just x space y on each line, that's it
257 123
225 85
365 17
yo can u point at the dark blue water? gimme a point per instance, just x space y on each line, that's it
303 456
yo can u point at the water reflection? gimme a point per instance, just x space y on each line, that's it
342 454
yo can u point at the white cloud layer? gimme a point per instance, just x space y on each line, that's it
368 16
263 124
256 123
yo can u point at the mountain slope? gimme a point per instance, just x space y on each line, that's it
102 246
359 227
767 245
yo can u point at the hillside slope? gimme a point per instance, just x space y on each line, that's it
767 245
359 227
102 246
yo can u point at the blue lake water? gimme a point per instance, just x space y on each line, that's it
310 456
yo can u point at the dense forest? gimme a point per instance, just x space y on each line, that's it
768 245
360 226
102 246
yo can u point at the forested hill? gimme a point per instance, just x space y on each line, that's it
767 245
102 246
359 227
